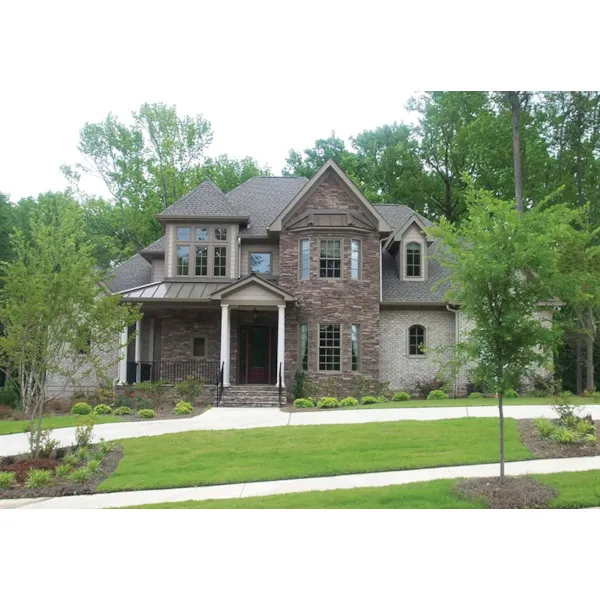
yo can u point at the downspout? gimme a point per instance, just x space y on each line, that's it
383 241
456 340
239 263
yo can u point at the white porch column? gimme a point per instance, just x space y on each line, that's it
123 359
225 339
281 343
138 351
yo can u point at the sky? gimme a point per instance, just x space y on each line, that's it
270 76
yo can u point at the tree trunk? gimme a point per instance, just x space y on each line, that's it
501 413
448 201
516 115
589 352
579 364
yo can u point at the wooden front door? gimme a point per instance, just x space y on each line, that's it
259 353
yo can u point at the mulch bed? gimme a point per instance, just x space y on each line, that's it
546 448
515 492
59 487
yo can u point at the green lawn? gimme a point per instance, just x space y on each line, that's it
53 422
576 490
467 402
215 457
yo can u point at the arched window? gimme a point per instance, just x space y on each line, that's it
413 259
416 340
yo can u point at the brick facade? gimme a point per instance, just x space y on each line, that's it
397 366
341 301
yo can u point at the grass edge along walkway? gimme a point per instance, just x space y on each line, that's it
200 458
8 427
578 489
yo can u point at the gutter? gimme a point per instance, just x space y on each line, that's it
456 341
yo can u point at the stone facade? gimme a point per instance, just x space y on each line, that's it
397 366
341 301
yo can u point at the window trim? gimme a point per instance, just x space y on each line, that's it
300 365
421 261
341 347
341 259
408 352
211 244
250 253
360 270
300 278
200 337
358 348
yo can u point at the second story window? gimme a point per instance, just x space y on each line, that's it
355 259
183 260
260 262
413 260
220 261
201 251
330 261
304 259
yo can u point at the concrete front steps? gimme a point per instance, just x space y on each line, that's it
251 395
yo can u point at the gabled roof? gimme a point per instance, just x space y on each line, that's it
415 218
205 200
262 199
331 167
130 273
252 279
156 248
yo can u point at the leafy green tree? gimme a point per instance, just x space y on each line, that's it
501 265
227 173
7 211
388 166
59 321
445 131
307 163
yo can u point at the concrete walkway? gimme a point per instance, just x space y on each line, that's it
339 482
248 418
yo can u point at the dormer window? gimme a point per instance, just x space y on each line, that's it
414 267
200 251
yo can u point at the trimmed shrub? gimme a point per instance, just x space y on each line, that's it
349 401
565 394
183 408
328 402
369 400
62 470
303 403
545 427
103 409
401 397
510 393
38 478
437 395
7 479
381 399
146 413
122 410
81 408
80 475
475 396
190 388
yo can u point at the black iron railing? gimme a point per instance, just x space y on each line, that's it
280 383
172 371
220 383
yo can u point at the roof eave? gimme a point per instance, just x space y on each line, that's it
203 218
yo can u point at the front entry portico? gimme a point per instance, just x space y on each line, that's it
261 347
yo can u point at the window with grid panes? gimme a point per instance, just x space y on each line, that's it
330 262
330 347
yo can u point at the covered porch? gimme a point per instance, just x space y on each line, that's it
235 335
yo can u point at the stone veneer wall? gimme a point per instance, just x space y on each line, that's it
332 301
397 366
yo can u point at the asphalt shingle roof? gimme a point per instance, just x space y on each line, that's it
263 198
131 273
157 246
206 200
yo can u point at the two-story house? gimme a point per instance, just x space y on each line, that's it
285 274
